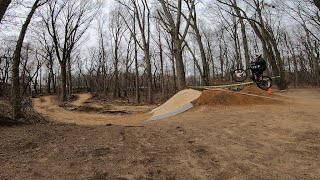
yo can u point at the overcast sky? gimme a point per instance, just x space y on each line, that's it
12 29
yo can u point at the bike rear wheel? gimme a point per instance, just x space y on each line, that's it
239 75
265 83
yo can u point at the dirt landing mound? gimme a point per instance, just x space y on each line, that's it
229 98
255 90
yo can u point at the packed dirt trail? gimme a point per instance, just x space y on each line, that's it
48 108
265 141
82 98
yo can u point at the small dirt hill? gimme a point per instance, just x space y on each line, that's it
177 101
255 90
229 98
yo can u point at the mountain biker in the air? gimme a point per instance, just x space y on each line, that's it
258 67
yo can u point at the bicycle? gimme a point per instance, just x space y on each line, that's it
240 75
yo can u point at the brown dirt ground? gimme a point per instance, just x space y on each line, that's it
230 98
255 90
269 141
48 108
86 103
82 98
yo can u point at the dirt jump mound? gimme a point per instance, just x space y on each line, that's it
255 90
180 102
229 98
186 99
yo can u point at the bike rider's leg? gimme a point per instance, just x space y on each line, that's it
255 76
259 75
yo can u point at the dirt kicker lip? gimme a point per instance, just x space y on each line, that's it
179 103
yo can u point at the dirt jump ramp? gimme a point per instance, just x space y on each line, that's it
179 103
187 99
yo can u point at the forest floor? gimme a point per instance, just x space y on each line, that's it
214 141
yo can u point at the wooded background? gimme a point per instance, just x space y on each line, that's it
146 50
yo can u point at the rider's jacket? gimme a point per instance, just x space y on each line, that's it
260 64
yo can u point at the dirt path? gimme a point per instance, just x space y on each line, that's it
46 107
274 141
82 99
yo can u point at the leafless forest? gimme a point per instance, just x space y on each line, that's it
146 50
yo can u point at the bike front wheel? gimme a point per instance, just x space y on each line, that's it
239 75
265 83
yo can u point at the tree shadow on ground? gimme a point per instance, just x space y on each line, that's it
6 121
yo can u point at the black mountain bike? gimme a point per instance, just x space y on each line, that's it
240 75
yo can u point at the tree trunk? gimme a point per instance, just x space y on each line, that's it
244 36
16 97
136 64
35 85
211 60
221 60
269 55
3 7
63 69
24 72
173 67
236 44
206 70
181 80
295 65
161 67
116 93
49 83
40 81
269 38
149 74
126 84
69 75
317 3
196 64
314 61
137 77
177 36
53 78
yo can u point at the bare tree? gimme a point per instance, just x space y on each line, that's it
173 26
16 96
66 22
244 34
128 63
103 55
171 55
208 34
141 13
205 66
6 62
267 38
161 58
137 83
117 28
309 20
